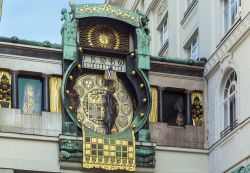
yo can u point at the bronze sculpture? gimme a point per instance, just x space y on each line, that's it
110 113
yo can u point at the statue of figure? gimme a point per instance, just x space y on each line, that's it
28 100
110 114
68 28
5 92
197 112
65 16
179 106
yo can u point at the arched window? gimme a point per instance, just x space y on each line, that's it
229 102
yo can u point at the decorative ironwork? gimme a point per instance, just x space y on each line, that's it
229 128
100 34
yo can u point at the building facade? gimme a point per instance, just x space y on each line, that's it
216 30
176 72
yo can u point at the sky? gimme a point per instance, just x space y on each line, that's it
35 20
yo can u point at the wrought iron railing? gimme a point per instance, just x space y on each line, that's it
228 129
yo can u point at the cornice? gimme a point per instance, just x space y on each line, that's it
32 59
235 36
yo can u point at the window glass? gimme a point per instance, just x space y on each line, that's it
232 89
226 123
225 93
231 13
164 32
194 50
229 102
232 110
30 95
227 85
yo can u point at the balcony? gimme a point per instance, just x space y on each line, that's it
47 124
174 136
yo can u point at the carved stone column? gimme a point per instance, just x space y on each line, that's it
46 93
188 107
160 101
14 89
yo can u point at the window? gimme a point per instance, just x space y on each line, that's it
164 32
193 48
231 13
229 103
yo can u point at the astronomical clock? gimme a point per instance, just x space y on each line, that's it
105 92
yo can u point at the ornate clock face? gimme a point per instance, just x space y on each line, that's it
92 90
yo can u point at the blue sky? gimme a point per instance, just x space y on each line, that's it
35 20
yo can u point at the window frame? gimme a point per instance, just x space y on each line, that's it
164 31
192 46
227 13
229 118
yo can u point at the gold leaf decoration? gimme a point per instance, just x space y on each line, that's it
101 34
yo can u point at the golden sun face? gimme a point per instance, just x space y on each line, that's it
103 35
103 39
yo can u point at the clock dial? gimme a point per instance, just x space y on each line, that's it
92 90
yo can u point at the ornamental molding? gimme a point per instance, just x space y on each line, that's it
31 59
107 11
226 61
224 48
161 9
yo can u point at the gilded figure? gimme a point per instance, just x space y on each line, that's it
28 100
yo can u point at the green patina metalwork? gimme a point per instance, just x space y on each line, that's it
70 150
94 10
69 32
70 128
144 135
242 169
15 39
186 61
143 45
145 156
138 121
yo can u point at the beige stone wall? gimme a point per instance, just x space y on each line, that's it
174 160
29 152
